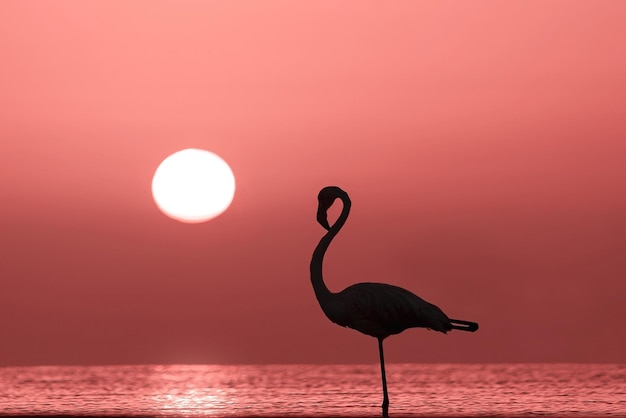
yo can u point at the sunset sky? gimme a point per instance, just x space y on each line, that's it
483 145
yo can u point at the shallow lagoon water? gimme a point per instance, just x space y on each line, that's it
417 390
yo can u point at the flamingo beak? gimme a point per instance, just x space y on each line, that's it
322 217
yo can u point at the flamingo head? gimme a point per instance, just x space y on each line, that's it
326 198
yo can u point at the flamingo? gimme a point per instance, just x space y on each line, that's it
375 309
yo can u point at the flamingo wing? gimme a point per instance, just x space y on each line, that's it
380 310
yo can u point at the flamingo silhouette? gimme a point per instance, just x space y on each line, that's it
375 309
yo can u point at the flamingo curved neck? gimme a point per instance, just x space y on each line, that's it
321 291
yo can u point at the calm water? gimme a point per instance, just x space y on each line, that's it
577 390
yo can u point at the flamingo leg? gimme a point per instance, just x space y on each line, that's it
382 371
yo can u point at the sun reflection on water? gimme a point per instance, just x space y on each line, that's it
193 402
197 391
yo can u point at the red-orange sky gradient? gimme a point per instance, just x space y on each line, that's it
483 145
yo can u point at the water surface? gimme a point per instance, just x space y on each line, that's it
503 390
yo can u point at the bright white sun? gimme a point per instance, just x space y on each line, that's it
193 185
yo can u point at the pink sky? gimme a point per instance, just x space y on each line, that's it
483 145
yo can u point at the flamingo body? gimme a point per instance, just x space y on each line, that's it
381 310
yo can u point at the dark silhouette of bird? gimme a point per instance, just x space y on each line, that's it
375 309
